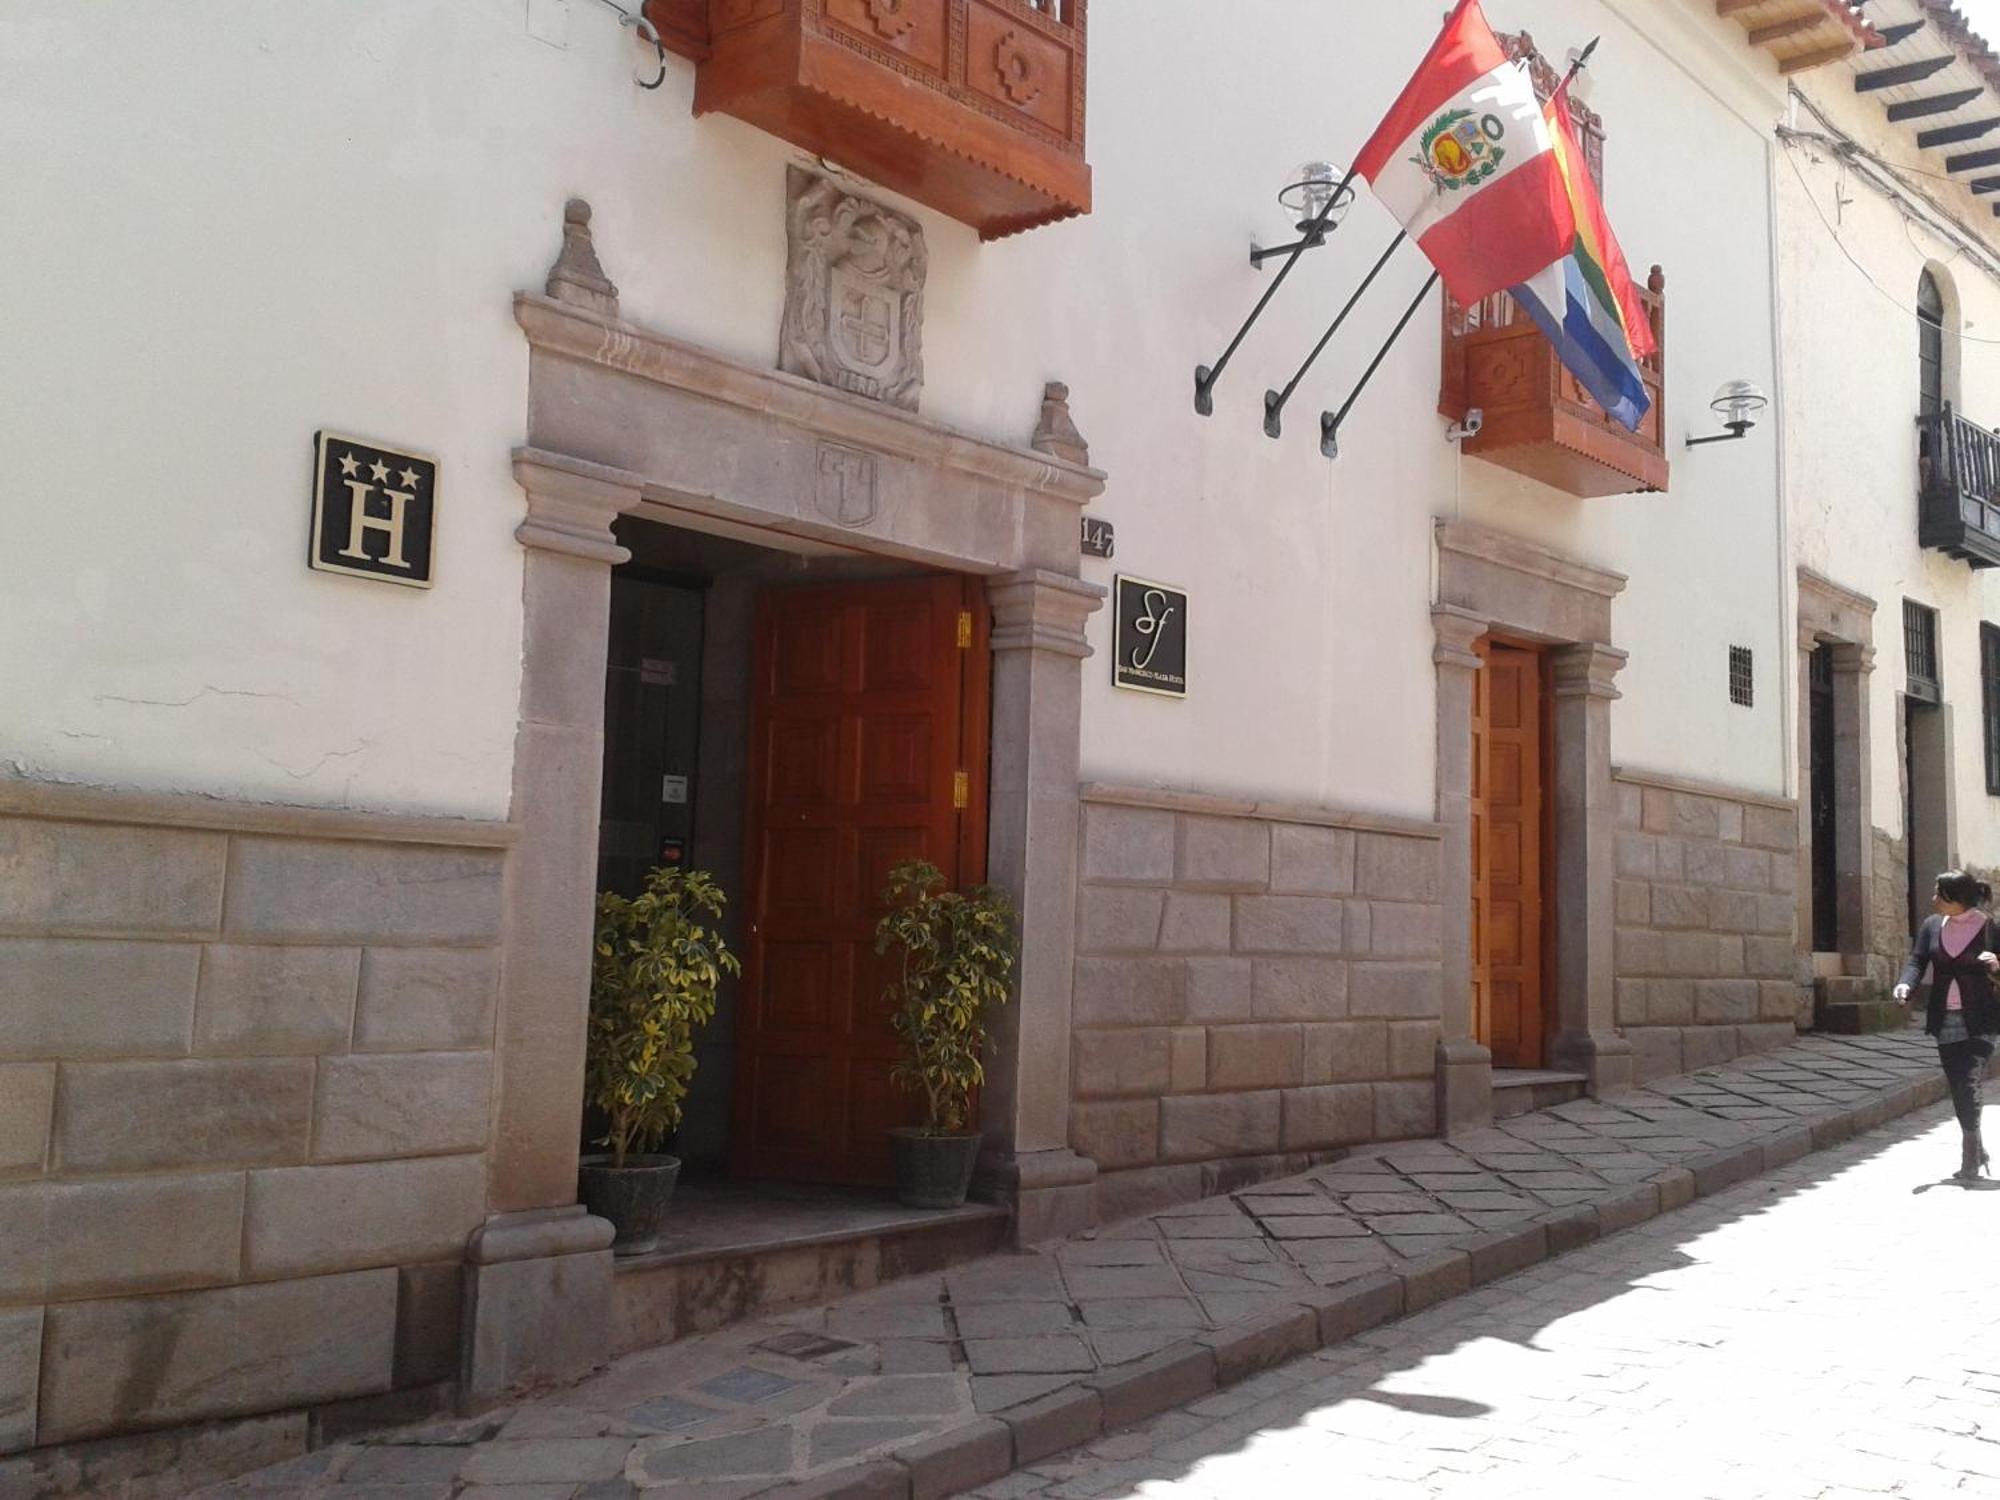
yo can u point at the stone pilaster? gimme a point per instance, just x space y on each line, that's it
1038 652
1464 1066
538 1274
1854 843
1586 1039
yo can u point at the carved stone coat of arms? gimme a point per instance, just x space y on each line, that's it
854 293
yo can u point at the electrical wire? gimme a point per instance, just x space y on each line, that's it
1907 309
1939 219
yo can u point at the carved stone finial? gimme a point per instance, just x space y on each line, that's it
576 277
1056 434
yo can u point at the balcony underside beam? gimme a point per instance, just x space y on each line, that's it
1935 104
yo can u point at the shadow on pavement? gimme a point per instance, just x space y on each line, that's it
1330 1394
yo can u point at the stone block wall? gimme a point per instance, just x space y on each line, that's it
1256 987
1707 915
246 1066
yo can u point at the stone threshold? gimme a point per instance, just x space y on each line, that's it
719 1223
1529 1078
988 1449
1516 1091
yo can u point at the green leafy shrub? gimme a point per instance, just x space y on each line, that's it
653 979
957 951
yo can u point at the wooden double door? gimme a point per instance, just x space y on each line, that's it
1510 840
868 746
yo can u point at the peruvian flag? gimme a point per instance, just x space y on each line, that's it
1464 160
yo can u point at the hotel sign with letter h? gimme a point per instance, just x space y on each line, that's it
374 510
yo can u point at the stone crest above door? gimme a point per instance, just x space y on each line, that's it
854 292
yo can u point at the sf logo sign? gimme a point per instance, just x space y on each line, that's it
374 510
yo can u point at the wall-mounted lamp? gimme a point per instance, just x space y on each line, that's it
1737 403
1305 199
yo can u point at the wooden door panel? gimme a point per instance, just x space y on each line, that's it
895 759
896 655
861 706
804 865
802 761
794 1118
875 1106
797 992
1507 870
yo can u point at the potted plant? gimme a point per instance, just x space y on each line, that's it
653 976
957 953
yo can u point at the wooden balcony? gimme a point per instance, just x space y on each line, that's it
1538 420
974 107
1958 488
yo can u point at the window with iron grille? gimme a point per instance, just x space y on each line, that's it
1741 685
1920 652
1989 686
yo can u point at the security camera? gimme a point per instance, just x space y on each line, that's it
1459 431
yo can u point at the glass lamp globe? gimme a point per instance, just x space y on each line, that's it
1738 401
1307 196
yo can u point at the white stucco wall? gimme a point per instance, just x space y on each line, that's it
1851 260
275 217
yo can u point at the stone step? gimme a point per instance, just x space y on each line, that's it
746 1250
1848 1006
1520 1091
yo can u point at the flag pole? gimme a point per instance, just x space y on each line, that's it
1274 401
1329 421
1205 376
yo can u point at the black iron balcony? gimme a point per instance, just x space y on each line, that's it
1958 488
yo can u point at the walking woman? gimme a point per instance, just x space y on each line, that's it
1957 947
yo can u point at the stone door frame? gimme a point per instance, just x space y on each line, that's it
1491 582
623 420
1832 614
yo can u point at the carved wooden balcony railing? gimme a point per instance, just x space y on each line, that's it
1958 488
974 107
1538 420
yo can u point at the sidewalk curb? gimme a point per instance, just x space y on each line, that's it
974 1453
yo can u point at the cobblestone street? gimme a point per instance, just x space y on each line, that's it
1794 1337
1774 1336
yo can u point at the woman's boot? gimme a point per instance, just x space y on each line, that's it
1972 1156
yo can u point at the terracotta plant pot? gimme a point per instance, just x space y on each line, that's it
633 1197
933 1171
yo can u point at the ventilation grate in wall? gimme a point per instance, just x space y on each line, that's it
1742 689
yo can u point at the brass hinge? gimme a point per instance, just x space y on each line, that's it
961 790
964 629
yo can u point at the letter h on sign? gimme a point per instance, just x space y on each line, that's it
374 511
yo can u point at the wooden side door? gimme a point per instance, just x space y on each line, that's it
867 747
1507 832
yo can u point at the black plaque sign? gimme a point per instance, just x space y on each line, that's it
1098 539
1151 638
374 510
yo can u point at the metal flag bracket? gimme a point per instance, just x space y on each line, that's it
1329 421
1205 376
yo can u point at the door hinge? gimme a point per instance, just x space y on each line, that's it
961 790
964 629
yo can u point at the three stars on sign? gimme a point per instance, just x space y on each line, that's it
351 467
